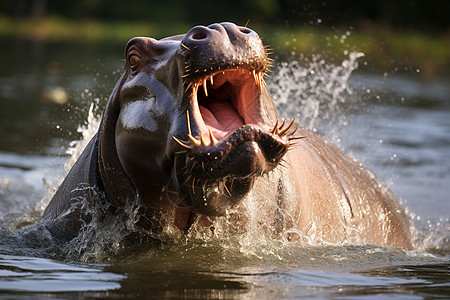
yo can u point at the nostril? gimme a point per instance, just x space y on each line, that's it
244 30
199 36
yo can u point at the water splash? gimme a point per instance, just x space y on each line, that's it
310 92
104 236
87 130
312 89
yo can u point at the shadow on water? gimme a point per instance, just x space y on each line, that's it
396 124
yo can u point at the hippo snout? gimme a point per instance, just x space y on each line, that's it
222 46
219 33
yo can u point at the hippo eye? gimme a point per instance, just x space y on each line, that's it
134 60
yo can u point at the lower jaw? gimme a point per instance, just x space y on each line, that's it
215 198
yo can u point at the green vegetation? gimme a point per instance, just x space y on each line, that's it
384 49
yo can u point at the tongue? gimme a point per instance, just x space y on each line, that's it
221 118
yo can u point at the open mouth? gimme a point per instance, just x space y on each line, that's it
230 140
227 100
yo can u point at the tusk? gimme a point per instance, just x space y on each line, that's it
188 122
204 87
212 137
194 141
203 140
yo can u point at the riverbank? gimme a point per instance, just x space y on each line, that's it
385 50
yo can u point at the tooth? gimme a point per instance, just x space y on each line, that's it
194 141
211 79
212 137
203 140
181 143
260 76
286 130
204 87
188 122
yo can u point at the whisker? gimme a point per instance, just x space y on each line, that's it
286 130
192 167
182 144
186 47
226 188
181 152
296 138
193 187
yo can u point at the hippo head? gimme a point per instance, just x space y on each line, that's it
193 116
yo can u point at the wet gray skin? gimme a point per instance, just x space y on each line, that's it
188 131
191 118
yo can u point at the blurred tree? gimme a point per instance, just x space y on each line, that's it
402 14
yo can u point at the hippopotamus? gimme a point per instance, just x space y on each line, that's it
190 129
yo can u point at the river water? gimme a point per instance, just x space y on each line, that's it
398 124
